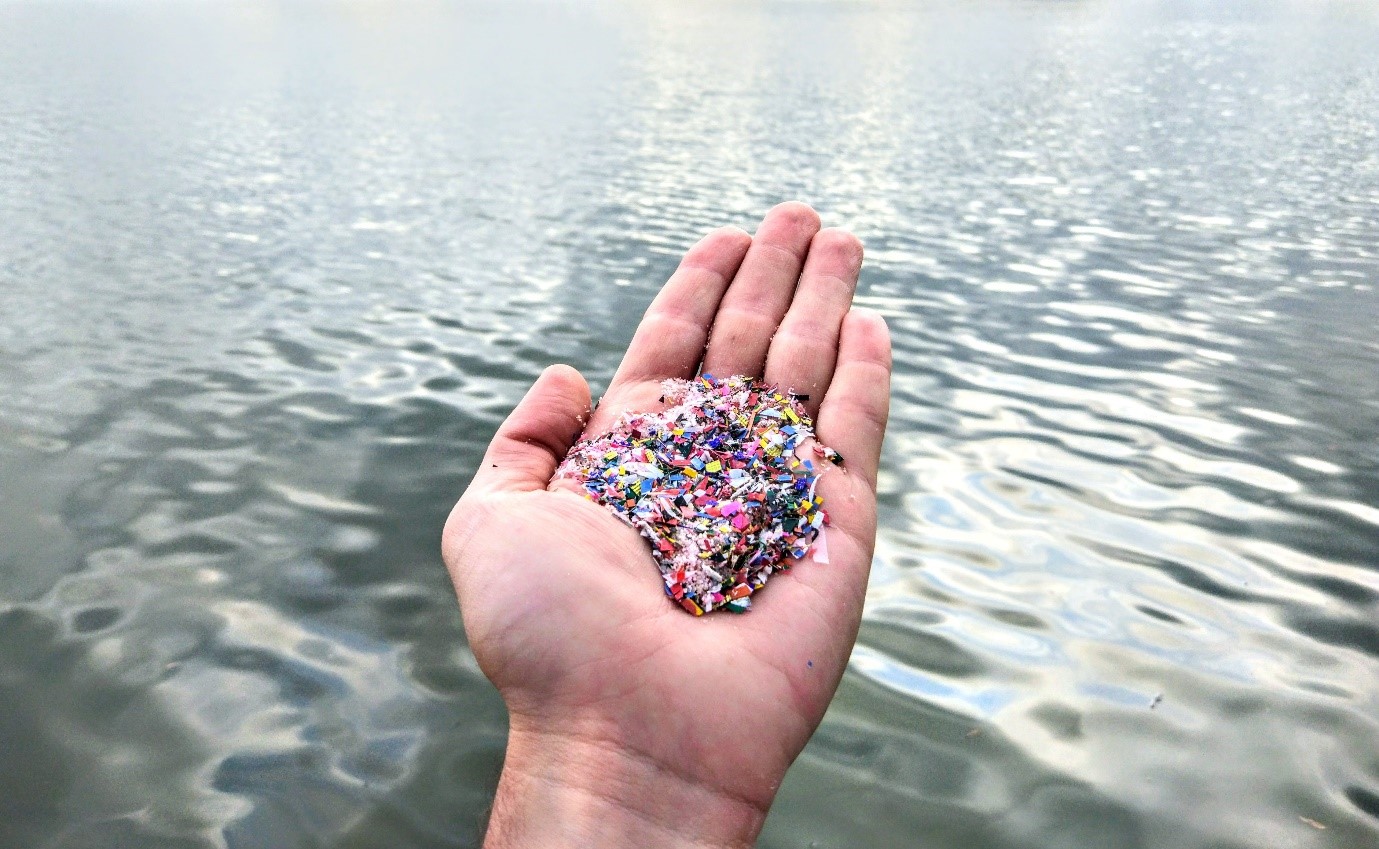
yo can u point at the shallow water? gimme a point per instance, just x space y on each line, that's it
272 273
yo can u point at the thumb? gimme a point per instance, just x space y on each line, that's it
537 433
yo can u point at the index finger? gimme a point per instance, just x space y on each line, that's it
670 340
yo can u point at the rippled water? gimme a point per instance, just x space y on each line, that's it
272 273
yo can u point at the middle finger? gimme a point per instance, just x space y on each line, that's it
761 292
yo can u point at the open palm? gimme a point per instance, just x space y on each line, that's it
562 602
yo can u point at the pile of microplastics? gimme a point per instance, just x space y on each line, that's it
713 483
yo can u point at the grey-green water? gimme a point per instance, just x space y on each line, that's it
271 273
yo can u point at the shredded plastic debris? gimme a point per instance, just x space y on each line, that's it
713 483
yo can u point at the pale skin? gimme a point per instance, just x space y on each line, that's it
633 723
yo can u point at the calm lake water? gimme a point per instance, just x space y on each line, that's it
271 274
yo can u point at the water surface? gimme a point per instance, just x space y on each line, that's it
273 272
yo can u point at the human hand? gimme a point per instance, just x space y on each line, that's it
633 723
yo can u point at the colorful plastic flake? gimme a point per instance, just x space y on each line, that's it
713 484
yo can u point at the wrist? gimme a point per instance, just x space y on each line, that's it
560 790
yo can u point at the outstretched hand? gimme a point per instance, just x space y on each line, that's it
632 722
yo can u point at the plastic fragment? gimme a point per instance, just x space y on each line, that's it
713 484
